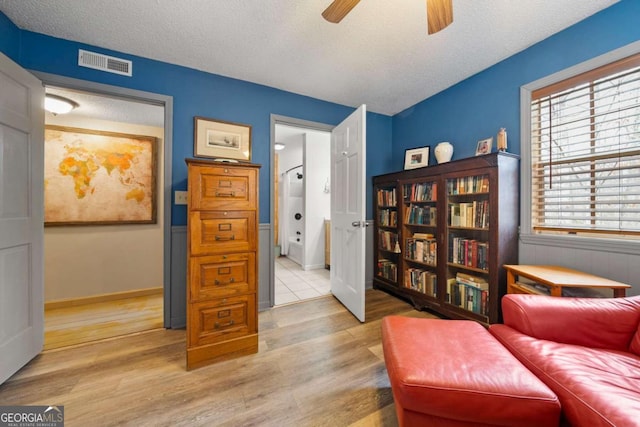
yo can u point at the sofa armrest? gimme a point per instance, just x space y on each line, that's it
592 322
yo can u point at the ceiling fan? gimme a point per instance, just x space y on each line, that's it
439 12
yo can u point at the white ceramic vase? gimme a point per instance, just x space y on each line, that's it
443 152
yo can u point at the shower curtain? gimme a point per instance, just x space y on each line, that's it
283 210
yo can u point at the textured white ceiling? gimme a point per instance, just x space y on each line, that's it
379 54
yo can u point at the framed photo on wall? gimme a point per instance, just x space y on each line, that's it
416 157
484 146
220 139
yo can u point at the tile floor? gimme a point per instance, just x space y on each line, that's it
294 284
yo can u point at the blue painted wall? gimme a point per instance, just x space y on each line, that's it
9 38
197 93
479 106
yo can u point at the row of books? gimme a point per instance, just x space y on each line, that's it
421 192
422 250
423 215
468 292
421 281
388 241
469 252
387 197
468 185
388 217
469 214
387 269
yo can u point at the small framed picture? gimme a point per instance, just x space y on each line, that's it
484 146
416 157
220 139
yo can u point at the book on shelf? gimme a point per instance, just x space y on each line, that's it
468 292
423 281
469 214
386 197
424 250
468 252
388 218
421 192
468 185
387 269
421 215
388 241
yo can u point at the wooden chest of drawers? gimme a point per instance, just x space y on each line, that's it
222 233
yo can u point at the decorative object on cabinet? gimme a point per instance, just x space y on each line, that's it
222 260
484 146
444 232
416 157
502 139
219 139
98 178
443 152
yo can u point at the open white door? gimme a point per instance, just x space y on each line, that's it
21 217
348 198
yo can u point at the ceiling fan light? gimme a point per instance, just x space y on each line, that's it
278 146
58 105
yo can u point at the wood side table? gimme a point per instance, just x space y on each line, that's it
556 278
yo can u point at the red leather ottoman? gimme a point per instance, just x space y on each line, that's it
454 373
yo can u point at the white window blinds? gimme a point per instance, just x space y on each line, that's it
585 152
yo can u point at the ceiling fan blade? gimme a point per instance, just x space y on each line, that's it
439 14
338 10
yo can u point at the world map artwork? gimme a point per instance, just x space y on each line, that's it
98 177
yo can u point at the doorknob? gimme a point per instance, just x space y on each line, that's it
358 224
344 153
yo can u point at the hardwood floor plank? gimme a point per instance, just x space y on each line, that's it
317 366
78 324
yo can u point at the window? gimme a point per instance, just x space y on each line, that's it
585 153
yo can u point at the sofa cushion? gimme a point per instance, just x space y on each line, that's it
596 387
455 370
609 323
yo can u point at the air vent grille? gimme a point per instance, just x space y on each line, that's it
106 63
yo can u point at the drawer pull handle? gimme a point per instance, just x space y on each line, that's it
232 237
218 282
229 194
219 325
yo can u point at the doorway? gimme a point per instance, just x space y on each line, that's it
103 281
301 186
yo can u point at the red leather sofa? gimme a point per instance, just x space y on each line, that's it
586 350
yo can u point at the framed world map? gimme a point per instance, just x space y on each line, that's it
98 178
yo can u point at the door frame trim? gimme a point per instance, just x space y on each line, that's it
165 101
288 121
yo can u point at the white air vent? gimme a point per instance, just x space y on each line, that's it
106 63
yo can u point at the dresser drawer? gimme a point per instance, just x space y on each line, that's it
222 319
220 187
222 276
222 232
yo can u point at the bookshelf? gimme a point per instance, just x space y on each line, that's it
455 225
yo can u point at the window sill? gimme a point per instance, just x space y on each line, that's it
581 242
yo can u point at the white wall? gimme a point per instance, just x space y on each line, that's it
82 261
317 170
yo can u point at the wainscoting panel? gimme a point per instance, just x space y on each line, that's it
178 310
265 268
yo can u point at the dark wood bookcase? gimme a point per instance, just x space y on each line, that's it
442 234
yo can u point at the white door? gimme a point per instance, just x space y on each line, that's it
21 217
348 198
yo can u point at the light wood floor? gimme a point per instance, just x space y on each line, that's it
80 324
317 366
